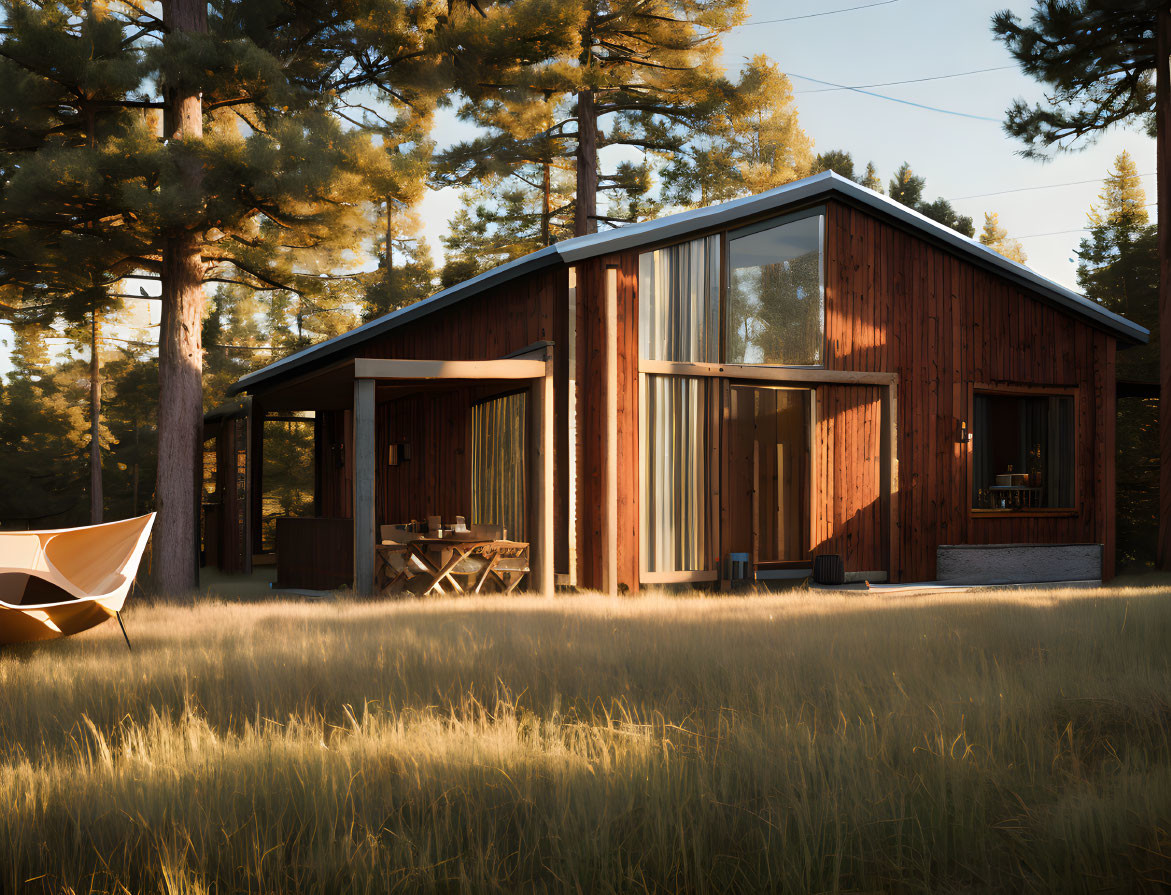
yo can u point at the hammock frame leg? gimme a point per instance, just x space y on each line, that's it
118 615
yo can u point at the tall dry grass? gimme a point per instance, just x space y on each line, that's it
982 742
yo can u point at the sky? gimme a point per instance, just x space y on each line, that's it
960 157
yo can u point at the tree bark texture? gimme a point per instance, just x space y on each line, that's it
96 499
546 203
586 216
1163 146
180 341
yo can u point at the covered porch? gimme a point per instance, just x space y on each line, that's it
396 441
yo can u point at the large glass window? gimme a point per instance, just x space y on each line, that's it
679 302
499 448
1022 452
675 474
776 299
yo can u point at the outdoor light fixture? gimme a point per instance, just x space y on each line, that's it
399 453
963 436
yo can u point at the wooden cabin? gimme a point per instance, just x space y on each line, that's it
719 394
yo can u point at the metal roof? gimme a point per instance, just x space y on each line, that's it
580 248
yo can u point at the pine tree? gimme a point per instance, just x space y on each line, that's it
1105 65
1119 268
837 160
995 236
1119 263
907 188
753 144
194 146
643 74
870 179
44 437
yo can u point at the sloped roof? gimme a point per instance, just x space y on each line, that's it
580 248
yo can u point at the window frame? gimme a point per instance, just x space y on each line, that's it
720 375
1020 390
759 226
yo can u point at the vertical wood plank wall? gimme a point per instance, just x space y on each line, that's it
897 303
894 303
591 421
849 513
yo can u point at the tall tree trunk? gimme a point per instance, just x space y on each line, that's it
586 212
390 234
1163 146
546 204
180 348
137 467
96 499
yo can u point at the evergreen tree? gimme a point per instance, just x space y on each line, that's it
44 438
907 188
753 144
837 160
995 236
1105 64
405 273
249 168
1119 263
870 179
643 74
1119 268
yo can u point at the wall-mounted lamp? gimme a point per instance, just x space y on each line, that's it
399 453
963 436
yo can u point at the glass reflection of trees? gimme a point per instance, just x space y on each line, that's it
775 300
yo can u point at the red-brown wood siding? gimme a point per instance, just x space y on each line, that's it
849 513
898 303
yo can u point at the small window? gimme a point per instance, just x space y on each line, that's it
776 299
1022 452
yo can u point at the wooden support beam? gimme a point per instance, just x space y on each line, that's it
382 368
541 416
364 486
799 375
610 515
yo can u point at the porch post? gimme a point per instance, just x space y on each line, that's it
542 479
610 505
364 486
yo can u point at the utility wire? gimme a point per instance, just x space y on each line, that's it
815 15
1065 232
958 74
905 102
1048 186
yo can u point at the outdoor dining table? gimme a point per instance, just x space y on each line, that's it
437 559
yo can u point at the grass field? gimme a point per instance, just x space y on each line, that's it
983 742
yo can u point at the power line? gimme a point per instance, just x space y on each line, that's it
1048 186
1054 233
905 102
1066 232
958 74
815 15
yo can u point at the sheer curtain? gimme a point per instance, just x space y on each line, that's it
679 302
678 320
675 469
